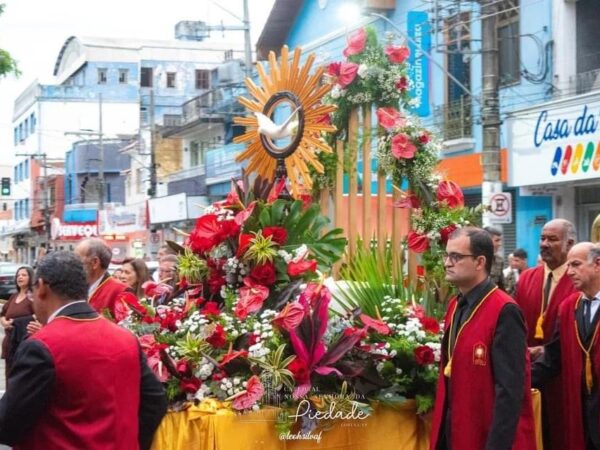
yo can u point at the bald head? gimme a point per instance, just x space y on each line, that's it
583 267
558 236
95 255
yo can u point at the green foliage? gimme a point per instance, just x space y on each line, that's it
193 268
193 348
372 275
262 249
7 64
275 367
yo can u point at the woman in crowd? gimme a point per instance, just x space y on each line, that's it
16 315
134 274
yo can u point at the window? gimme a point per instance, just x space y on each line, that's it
171 120
32 123
171 78
202 79
508 42
144 115
102 76
26 127
15 174
123 76
146 77
52 195
26 175
26 209
16 136
457 113
21 134
194 154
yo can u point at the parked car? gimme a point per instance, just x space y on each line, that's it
7 279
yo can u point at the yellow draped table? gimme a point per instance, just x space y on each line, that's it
210 426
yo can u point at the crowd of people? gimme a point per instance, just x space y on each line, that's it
538 330
76 381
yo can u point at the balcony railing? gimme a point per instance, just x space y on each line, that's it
189 172
221 164
455 119
583 82
201 106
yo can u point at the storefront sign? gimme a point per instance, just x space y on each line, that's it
419 32
555 143
122 219
72 231
171 208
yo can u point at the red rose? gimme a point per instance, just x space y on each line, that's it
211 309
219 338
424 355
190 385
424 138
295 269
300 370
334 69
430 325
215 281
446 232
183 367
420 271
397 55
264 274
417 242
278 234
402 84
450 193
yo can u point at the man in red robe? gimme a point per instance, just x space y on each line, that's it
539 293
81 382
483 400
106 295
574 352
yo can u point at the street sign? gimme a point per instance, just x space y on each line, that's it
500 208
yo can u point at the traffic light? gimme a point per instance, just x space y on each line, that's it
5 186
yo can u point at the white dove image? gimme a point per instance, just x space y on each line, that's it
274 131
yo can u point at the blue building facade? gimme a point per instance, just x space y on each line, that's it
532 72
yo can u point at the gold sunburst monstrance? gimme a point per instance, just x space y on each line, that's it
291 84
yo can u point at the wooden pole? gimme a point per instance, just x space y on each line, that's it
353 194
367 140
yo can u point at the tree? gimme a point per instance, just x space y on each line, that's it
7 63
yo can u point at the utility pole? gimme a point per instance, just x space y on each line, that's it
153 183
247 43
100 157
490 109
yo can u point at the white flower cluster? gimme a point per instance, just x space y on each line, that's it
297 255
232 386
437 349
337 91
203 392
205 369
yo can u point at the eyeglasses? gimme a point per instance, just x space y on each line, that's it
166 271
456 257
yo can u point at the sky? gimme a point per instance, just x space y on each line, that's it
33 31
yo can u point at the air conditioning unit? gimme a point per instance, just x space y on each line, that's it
230 72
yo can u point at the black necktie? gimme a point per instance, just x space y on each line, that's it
547 287
587 316
461 307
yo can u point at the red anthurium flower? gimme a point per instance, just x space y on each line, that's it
356 43
290 316
278 234
211 309
353 331
402 147
389 118
215 281
190 385
409 201
219 338
121 311
208 227
158 368
295 269
378 325
242 216
251 299
264 274
348 73
253 393
417 311
183 367
446 232
402 84
420 271
324 119
430 325
334 69
424 355
397 55
417 242
276 191
450 193
230 356
243 243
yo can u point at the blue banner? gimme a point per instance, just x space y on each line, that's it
419 30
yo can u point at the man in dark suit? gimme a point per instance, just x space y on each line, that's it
81 381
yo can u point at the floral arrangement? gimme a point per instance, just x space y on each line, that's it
252 324
377 76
